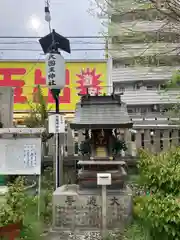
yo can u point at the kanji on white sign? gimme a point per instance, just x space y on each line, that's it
21 156
56 123
30 156
55 71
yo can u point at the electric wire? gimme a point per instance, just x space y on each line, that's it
71 37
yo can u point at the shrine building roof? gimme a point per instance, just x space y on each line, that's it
95 112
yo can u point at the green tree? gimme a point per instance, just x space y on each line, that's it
113 13
160 211
39 114
173 110
39 111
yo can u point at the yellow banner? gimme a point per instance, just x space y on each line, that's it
25 76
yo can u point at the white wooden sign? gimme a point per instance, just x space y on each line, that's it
21 156
103 179
55 71
56 123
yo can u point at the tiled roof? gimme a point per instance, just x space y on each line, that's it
101 114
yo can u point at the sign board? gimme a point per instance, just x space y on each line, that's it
56 123
21 156
25 76
104 179
55 71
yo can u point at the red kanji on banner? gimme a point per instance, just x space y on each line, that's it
40 80
7 74
88 79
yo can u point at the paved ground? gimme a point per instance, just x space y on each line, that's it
83 235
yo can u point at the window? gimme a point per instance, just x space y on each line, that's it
143 110
119 89
130 110
155 108
170 137
133 137
138 85
137 110
76 148
149 87
162 86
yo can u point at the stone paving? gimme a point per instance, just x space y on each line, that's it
83 235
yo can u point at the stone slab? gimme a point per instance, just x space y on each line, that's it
74 209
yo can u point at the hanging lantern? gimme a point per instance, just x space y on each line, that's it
55 71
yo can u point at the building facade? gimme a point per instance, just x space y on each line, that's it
145 55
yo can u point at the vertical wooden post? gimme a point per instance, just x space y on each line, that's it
104 211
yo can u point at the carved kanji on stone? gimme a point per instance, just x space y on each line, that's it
69 200
92 201
114 201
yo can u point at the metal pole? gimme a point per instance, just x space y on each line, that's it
39 197
56 159
104 208
58 183
55 94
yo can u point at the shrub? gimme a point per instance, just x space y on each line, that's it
19 207
161 173
160 211
13 210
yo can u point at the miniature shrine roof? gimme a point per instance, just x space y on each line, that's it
105 112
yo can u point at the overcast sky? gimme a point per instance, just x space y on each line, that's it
69 18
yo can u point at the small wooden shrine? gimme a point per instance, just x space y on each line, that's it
101 117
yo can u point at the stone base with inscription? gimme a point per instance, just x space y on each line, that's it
82 210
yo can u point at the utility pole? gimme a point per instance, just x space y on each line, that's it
55 79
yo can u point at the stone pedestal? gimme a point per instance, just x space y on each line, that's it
80 210
87 176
